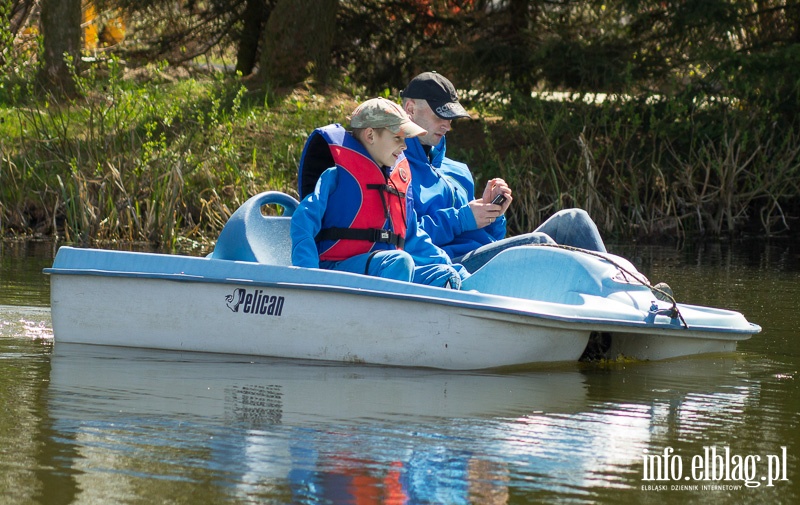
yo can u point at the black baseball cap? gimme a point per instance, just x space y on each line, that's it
439 92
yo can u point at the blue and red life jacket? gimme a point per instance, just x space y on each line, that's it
367 210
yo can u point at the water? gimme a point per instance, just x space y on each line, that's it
85 425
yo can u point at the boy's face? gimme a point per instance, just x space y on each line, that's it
421 113
384 146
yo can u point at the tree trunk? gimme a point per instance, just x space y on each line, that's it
18 14
297 42
518 37
61 31
254 15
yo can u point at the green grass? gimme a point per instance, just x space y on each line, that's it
149 161
145 156
643 167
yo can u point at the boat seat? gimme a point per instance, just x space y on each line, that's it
541 273
249 235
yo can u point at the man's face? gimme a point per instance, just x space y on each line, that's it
421 113
385 146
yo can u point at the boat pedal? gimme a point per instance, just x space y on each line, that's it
597 347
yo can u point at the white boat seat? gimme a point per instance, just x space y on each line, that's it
249 235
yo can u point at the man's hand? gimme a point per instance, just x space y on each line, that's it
486 212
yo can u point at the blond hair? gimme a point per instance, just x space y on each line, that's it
359 132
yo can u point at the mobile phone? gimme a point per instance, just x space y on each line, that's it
499 199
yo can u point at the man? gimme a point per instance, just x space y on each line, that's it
470 229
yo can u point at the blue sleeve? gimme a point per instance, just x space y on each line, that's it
443 225
307 221
418 243
498 228
461 176
443 205
424 251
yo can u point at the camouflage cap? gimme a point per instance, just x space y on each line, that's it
383 113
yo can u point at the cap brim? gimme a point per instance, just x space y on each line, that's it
448 110
409 128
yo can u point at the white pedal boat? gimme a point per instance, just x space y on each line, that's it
528 305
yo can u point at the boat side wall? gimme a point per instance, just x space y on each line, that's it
297 323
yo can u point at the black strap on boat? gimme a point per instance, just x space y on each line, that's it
368 234
673 312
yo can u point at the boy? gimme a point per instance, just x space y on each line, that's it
359 217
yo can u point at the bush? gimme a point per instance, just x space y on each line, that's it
152 161
644 166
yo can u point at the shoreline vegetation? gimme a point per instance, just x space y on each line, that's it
154 156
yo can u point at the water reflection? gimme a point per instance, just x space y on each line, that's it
21 279
323 430
312 432
633 408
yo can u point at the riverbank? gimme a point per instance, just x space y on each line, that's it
155 156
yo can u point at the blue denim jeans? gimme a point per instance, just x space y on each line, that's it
572 227
397 265
443 276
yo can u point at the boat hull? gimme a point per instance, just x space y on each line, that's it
184 303
302 323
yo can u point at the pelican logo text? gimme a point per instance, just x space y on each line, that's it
255 302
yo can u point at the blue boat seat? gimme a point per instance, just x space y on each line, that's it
549 274
249 235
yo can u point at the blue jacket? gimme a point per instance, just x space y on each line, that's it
308 218
442 191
